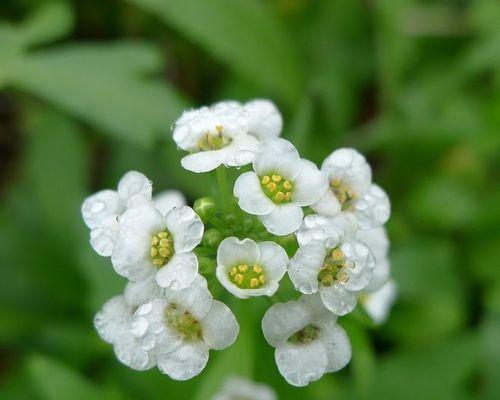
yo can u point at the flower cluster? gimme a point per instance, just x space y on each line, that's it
321 228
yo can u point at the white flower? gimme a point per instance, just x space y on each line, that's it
113 324
379 302
236 388
171 329
307 339
167 200
216 135
352 190
101 210
151 244
265 119
329 231
182 327
281 185
335 264
246 268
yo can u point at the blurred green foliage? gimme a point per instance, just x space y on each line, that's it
89 90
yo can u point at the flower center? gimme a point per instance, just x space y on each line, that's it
334 268
214 141
277 188
183 322
305 335
162 248
246 277
344 194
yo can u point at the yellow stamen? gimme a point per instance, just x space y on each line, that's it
257 269
277 178
233 271
287 185
288 196
266 180
238 278
337 254
262 279
254 282
280 196
243 268
272 187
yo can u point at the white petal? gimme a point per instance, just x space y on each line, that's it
241 151
265 119
378 304
233 252
113 319
129 352
358 278
349 166
168 199
134 183
282 320
273 259
277 156
283 220
186 228
327 230
310 184
376 240
380 275
327 204
187 361
203 161
103 238
373 208
337 345
304 267
219 327
140 292
196 298
179 272
250 196
100 207
142 220
301 364
131 257
337 299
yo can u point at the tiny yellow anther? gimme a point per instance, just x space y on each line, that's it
154 252
288 196
238 279
164 243
164 252
262 279
287 185
154 241
254 282
277 178
158 262
337 254
233 271
266 180
257 269
280 196
243 268
219 128
272 187
162 235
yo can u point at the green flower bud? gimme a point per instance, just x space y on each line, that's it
205 208
212 237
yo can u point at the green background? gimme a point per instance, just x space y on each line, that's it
89 90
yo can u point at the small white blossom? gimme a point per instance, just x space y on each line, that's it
152 244
351 190
101 210
265 119
246 268
281 185
332 262
307 339
236 388
172 329
378 243
216 135
378 303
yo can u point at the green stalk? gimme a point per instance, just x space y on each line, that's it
226 195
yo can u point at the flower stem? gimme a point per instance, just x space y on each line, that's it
224 189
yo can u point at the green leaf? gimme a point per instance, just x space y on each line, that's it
86 81
50 22
55 381
243 34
